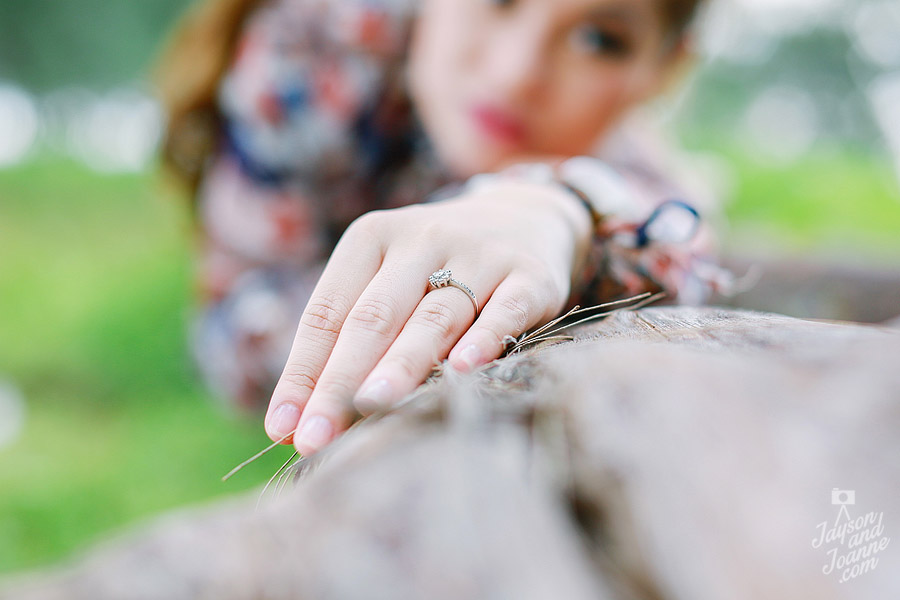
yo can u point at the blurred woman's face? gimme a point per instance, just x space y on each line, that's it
496 80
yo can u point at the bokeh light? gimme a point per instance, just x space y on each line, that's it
18 124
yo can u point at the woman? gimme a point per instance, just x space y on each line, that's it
403 138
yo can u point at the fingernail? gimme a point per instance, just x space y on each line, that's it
316 432
375 396
468 359
284 419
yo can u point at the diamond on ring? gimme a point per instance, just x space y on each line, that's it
443 278
440 278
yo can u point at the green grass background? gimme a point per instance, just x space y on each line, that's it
94 304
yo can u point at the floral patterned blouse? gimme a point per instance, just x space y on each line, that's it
317 130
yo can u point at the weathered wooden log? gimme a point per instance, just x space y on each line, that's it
821 288
666 453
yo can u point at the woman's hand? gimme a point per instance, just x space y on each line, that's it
372 331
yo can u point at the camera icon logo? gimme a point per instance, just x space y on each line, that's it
843 497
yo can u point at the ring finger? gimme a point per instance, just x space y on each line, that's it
440 319
371 326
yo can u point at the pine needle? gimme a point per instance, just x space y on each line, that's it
551 329
257 455
268 483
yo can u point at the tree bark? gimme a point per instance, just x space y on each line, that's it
821 287
665 453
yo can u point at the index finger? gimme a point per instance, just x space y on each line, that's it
353 263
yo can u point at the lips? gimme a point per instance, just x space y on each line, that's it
498 124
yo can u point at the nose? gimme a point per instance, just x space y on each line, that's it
516 60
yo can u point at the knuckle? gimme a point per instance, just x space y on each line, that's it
431 230
500 248
335 388
366 222
496 338
546 289
519 307
406 365
373 314
556 290
415 212
323 313
437 318
297 380
365 229
547 281
536 268
546 285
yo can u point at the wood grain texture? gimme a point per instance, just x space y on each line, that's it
667 453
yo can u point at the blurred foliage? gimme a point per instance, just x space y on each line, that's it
838 202
842 204
821 62
94 293
46 44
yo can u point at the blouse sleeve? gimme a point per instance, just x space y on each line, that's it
652 236
660 233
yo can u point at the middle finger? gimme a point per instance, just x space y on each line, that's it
369 329
438 322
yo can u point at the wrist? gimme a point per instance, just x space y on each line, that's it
545 192
544 180
583 222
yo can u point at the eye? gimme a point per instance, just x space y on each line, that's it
501 3
603 42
